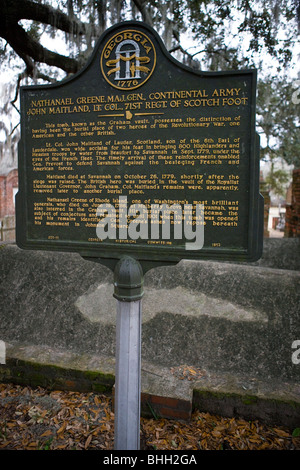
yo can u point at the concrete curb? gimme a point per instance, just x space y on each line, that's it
166 392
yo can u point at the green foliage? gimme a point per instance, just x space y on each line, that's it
34 31
296 432
277 180
278 118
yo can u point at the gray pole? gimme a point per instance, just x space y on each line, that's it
128 290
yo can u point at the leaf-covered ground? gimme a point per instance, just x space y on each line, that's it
37 419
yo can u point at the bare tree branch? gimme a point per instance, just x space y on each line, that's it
12 11
27 47
141 6
16 10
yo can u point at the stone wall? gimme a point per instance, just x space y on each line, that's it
229 318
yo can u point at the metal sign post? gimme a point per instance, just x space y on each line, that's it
128 290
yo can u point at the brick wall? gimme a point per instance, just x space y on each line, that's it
292 215
263 189
8 187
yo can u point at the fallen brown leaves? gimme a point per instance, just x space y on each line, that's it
187 372
36 419
208 432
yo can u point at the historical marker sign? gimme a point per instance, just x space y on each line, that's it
140 155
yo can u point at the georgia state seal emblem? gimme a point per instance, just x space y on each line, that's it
128 59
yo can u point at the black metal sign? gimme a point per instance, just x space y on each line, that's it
139 155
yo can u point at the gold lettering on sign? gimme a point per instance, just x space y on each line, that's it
185 144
